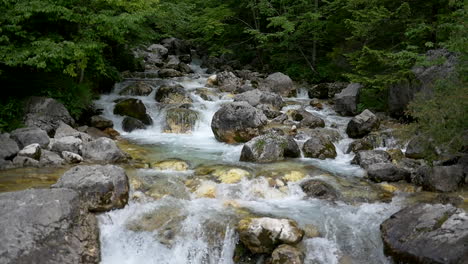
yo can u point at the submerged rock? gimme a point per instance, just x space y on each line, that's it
346 101
47 226
319 148
102 188
180 120
237 122
133 108
319 189
362 124
171 164
263 235
269 148
425 233
46 113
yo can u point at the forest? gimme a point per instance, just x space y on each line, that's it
72 50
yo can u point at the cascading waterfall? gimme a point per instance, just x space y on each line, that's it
188 228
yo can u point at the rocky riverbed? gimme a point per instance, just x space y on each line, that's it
232 167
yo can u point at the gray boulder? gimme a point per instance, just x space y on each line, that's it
184 68
169 73
103 150
136 89
49 158
269 148
278 83
420 148
306 119
71 157
263 235
359 144
159 50
237 122
30 135
65 130
387 172
180 120
328 133
362 124
286 254
326 90
426 233
47 226
102 188
319 189
228 81
101 122
20 161
71 144
46 113
440 178
319 148
133 108
268 110
172 62
346 102
9 147
257 97
32 151
172 94
365 158
129 124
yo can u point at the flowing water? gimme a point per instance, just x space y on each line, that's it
185 217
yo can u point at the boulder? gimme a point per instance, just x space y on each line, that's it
306 119
427 233
71 144
172 62
184 68
185 58
316 103
286 254
20 161
9 147
133 108
347 100
420 148
102 188
169 73
101 122
319 189
71 157
47 226
65 130
103 150
45 113
268 110
326 90
358 145
319 148
172 94
49 158
180 120
278 83
365 158
257 97
263 235
237 122
176 46
32 151
129 124
401 94
362 124
158 50
30 135
228 81
387 172
328 133
440 178
135 89
207 94
269 148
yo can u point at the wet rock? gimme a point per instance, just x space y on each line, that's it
71 144
95 133
212 80
278 83
222 173
185 58
257 97
129 124
112 133
441 178
159 50
327 133
268 111
206 189
388 172
228 82
176 46
30 135
286 254
269 148
326 90
319 148
52 225
103 150
362 124
49 158
207 94
134 89
46 114
133 108
171 164
9 147
172 62
102 188
358 145
20 161
237 122
425 233
365 158
316 103
32 151
71 157
346 101
306 119
420 148
319 189
172 94
263 235
169 73
184 68
180 121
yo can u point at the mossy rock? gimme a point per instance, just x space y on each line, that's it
133 108
171 164
137 89
180 120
